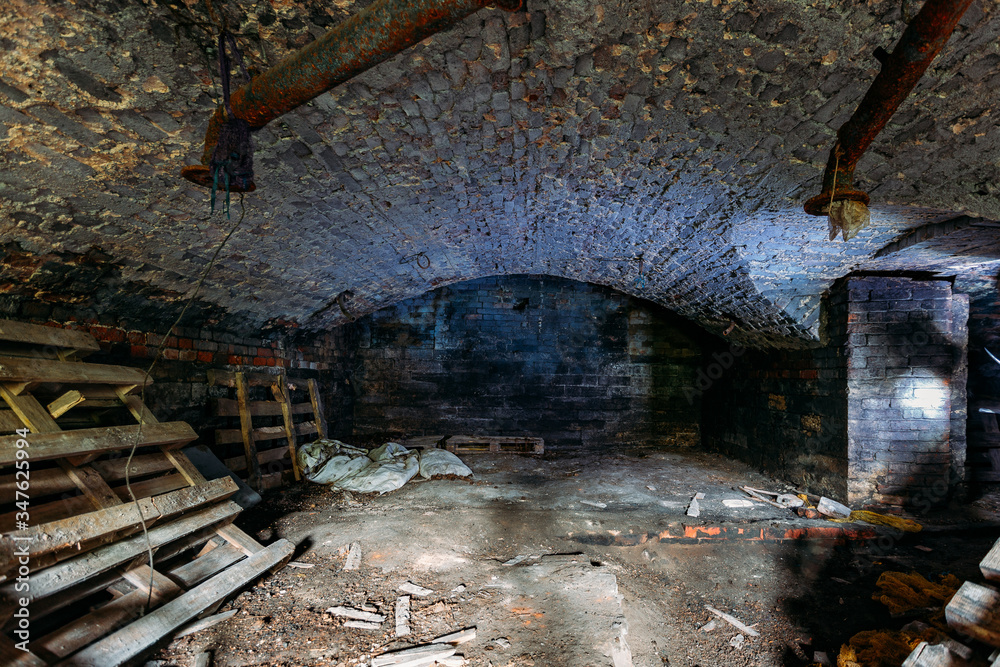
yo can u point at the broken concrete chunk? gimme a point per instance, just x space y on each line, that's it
413 589
356 614
502 642
933 655
708 627
737 503
736 641
353 557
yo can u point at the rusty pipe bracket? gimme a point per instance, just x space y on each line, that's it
838 185
919 44
378 32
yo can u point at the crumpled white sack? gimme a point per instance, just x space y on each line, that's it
388 451
441 462
382 476
329 461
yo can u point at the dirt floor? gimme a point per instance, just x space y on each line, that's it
527 555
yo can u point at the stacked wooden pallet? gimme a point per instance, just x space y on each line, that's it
266 468
96 569
470 444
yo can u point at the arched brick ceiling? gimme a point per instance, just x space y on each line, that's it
570 139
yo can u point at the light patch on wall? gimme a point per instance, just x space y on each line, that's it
930 394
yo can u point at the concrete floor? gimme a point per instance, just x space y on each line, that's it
548 579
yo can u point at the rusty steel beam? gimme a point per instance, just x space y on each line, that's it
373 35
923 38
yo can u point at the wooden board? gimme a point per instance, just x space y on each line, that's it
229 407
247 434
990 565
468 444
975 611
143 634
222 378
22 332
20 369
43 446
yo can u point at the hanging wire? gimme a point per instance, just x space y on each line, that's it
142 396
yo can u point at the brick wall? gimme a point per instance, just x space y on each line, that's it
785 411
876 415
903 353
571 362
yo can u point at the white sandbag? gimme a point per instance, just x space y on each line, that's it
382 476
388 451
441 462
330 461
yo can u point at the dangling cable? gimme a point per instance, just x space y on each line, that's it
142 396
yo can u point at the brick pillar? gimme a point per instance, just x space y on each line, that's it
905 354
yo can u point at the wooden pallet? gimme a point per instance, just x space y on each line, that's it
81 534
470 444
289 430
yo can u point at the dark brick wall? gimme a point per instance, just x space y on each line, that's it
984 375
876 415
785 411
574 363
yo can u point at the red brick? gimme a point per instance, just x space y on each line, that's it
136 337
185 344
205 357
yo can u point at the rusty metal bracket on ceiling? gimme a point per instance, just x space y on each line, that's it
920 43
373 35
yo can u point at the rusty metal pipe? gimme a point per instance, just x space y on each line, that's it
920 43
373 35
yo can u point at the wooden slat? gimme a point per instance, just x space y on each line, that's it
247 430
93 527
65 403
229 407
19 369
203 567
280 391
22 332
28 410
222 378
264 456
11 656
113 470
317 405
61 576
93 486
973 611
102 439
990 565
9 422
138 637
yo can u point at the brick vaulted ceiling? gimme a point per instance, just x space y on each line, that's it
569 139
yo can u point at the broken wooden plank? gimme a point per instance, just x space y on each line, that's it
36 334
975 611
143 634
206 565
43 446
353 557
990 566
417 656
456 638
11 656
402 613
362 625
733 621
65 403
206 623
20 369
413 589
356 614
